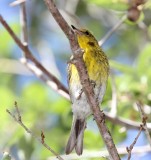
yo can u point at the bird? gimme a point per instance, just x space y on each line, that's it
97 67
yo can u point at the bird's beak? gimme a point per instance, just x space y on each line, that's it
76 30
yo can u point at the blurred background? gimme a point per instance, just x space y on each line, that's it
42 109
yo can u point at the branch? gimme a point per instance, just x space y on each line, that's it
85 82
55 83
144 118
129 149
142 127
18 119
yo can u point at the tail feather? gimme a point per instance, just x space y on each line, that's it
80 135
72 139
76 137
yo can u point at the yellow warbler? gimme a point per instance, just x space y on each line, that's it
98 70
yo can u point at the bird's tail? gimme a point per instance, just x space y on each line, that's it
76 136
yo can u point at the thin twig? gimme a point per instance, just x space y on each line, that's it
112 30
129 149
85 82
60 88
143 126
41 140
144 118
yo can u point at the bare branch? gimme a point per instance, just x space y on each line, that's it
60 88
86 85
144 118
142 127
18 119
129 149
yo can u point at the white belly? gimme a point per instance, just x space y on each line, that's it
80 106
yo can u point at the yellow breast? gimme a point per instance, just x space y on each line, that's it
97 66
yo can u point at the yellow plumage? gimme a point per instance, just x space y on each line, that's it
96 64
98 70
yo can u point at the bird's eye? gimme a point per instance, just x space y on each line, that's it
87 33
